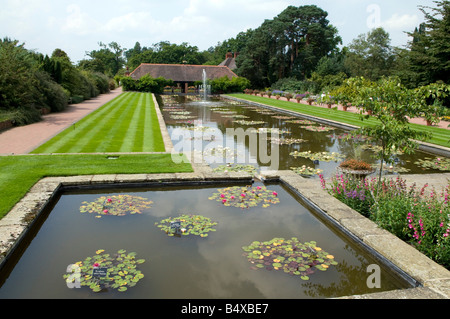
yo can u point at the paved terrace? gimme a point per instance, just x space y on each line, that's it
432 281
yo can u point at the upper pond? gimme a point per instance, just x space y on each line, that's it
211 128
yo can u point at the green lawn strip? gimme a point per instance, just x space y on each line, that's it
115 132
109 131
126 124
440 136
139 126
70 136
19 173
153 136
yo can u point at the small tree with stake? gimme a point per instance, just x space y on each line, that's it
392 104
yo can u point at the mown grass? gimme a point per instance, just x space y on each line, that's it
440 136
19 173
126 124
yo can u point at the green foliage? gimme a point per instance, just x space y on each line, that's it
145 84
225 85
290 256
165 52
190 224
117 205
370 55
417 216
290 45
246 197
122 272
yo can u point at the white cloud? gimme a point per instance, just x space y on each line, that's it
79 22
401 22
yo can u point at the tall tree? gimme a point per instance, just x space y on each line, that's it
371 55
290 45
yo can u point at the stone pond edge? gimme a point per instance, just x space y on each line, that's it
431 279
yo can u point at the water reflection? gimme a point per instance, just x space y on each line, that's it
220 115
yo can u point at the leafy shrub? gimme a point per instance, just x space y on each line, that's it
416 216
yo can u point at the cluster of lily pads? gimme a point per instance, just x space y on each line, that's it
283 117
439 163
306 171
236 168
116 205
290 256
244 122
196 225
271 130
313 128
286 141
304 122
246 196
121 271
320 156
220 151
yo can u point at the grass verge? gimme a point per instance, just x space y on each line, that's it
20 173
440 136
126 124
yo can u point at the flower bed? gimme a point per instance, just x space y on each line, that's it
418 217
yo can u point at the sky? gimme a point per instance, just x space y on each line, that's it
77 26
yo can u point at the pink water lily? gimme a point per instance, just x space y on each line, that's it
224 201
105 211
222 195
96 265
109 200
275 194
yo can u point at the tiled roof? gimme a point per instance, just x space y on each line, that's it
182 72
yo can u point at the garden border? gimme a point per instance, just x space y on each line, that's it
431 280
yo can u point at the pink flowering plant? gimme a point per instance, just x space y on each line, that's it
246 197
420 217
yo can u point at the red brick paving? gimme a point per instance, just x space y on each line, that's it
24 139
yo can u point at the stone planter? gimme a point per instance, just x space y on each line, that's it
360 174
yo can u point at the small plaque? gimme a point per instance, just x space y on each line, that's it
100 272
176 225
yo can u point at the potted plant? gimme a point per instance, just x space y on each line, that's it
356 167
288 96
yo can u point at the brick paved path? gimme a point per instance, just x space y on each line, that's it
24 139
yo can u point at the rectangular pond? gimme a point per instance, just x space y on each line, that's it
255 241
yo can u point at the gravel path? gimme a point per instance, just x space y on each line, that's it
24 139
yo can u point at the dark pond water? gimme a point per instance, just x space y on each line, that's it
187 266
208 128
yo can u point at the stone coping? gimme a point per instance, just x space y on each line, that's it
431 280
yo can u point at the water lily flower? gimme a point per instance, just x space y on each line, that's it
232 197
105 211
224 201
243 195
258 188
96 265
222 195
109 200
275 194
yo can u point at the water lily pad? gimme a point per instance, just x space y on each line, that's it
196 225
246 197
236 168
320 156
439 163
121 271
116 205
285 141
306 171
318 128
290 256
244 122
